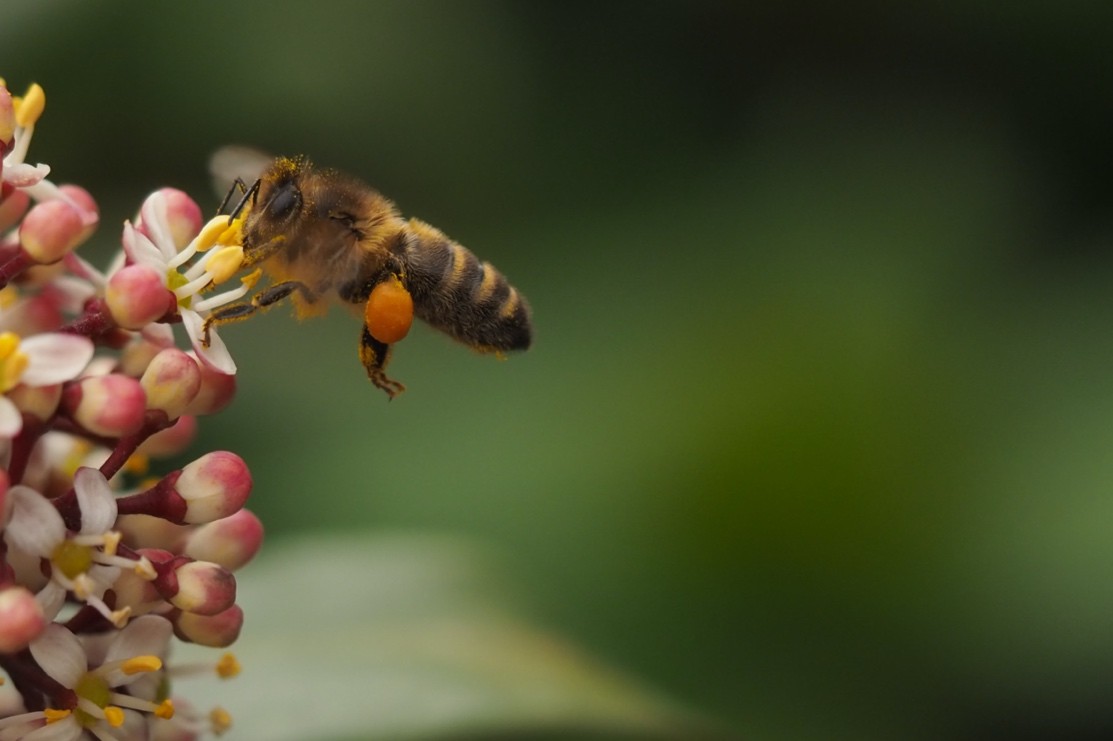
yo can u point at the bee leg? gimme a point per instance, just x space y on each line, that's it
375 355
263 299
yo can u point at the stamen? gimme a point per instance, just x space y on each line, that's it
53 715
114 716
141 664
228 666
224 264
30 106
202 242
221 721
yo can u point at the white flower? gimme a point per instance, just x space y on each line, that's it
41 360
85 563
159 251
132 654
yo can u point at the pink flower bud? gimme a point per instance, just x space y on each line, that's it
136 296
172 440
138 354
39 402
215 631
169 209
149 531
171 381
12 209
21 619
110 406
196 586
90 212
230 542
217 391
50 230
183 215
214 486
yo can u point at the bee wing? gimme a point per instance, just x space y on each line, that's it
235 161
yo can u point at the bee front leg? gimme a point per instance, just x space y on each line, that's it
374 355
262 300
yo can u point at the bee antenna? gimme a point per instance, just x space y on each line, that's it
249 194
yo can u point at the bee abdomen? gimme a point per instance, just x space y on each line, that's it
456 293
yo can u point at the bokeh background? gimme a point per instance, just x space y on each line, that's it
815 436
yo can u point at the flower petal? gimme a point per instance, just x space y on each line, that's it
58 653
67 729
55 357
24 175
145 635
51 598
142 250
95 498
34 525
11 421
152 214
216 354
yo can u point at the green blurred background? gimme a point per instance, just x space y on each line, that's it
815 435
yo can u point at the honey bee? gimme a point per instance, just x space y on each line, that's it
320 234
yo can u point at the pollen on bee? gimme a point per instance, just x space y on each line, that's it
389 311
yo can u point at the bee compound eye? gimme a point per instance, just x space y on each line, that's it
285 201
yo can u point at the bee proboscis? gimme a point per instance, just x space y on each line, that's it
320 234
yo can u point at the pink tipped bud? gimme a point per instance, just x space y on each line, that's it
217 391
172 440
136 296
39 402
171 381
90 212
183 215
196 586
12 208
138 354
50 230
21 619
149 531
110 406
214 631
214 486
230 542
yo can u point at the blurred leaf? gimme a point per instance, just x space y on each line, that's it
406 636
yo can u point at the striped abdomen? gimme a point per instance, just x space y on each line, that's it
456 293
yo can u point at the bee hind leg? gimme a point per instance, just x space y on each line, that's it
264 299
374 355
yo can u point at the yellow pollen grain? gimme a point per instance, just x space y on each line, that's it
112 542
9 341
119 618
30 106
114 716
220 720
228 666
165 709
141 664
252 278
224 263
53 715
9 295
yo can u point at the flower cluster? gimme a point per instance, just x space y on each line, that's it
102 564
